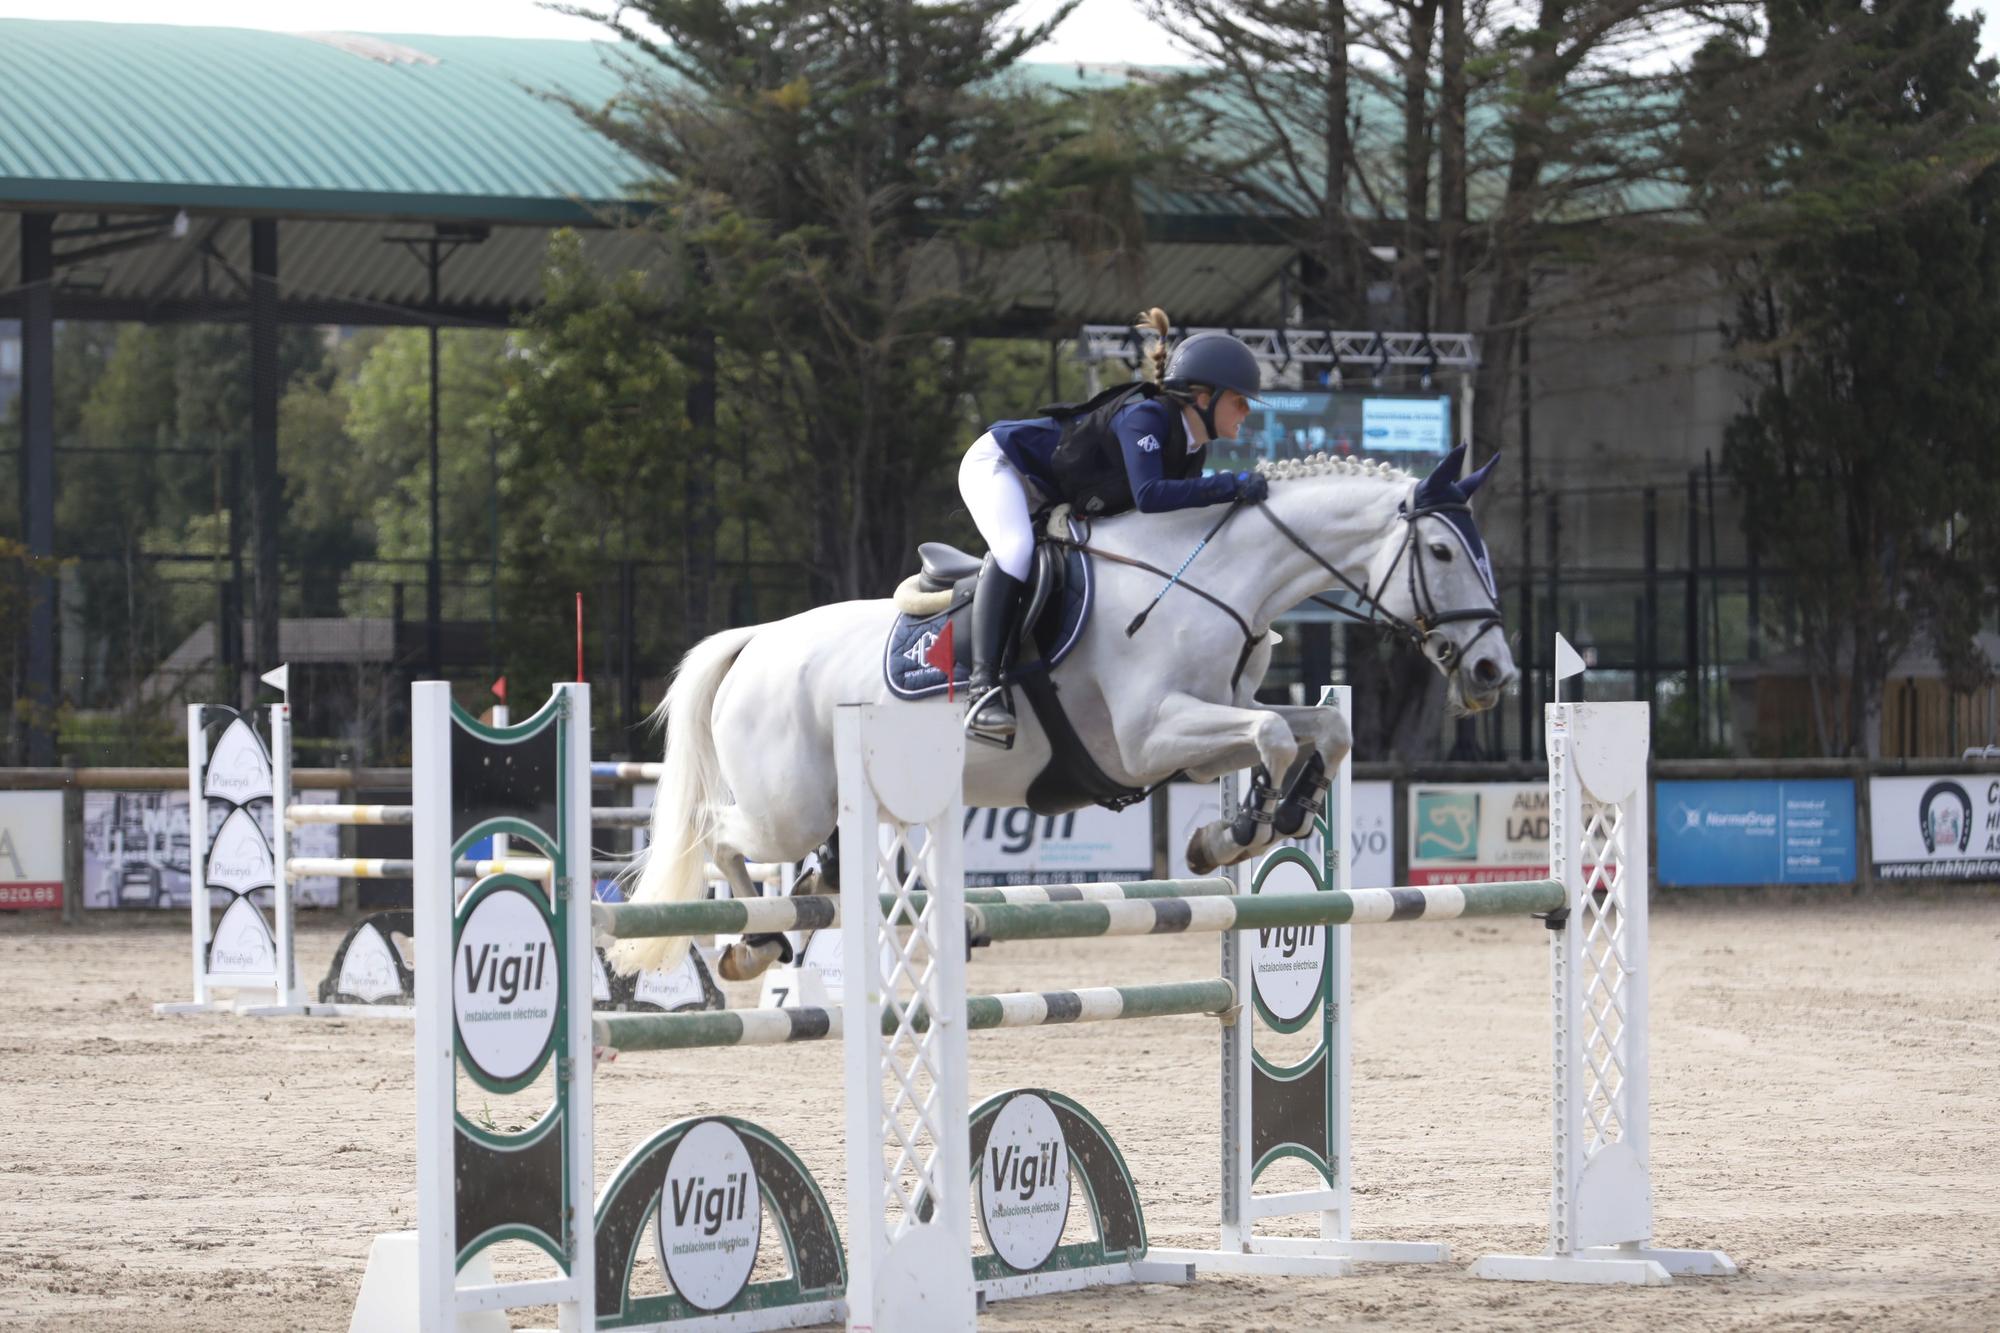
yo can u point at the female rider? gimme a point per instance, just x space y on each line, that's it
1135 446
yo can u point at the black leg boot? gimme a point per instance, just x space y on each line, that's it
989 717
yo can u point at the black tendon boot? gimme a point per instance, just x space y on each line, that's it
989 717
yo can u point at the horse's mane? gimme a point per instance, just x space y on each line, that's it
1327 465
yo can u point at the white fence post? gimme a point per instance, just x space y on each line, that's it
1601 1204
198 851
909 1227
437 1064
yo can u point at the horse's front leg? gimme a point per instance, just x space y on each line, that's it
1325 741
1186 733
1320 729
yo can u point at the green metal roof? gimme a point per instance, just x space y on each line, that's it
348 137
145 115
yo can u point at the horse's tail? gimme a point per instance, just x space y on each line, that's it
689 799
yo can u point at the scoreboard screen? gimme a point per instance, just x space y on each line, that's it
1410 430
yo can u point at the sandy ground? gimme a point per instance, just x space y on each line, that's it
1824 1079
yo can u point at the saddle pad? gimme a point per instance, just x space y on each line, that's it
909 656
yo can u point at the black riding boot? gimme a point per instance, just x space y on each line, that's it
989 717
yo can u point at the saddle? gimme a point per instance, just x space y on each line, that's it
936 602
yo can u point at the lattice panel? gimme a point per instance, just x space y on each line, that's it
913 1111
1606 973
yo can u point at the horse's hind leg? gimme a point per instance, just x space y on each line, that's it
748 958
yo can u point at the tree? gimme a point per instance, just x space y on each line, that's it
594 442
836 188
1362 130
1850 165
389 421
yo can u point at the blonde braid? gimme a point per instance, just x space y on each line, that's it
1155 322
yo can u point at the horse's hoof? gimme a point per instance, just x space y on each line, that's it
744 961
1198 859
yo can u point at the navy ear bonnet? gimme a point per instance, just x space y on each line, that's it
1445 495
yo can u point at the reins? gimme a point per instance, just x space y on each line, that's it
1422 632
1250 637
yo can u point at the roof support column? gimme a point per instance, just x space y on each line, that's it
434 567
38 477
266 494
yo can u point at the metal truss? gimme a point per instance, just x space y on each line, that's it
1432 351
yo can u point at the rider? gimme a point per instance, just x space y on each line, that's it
1137 446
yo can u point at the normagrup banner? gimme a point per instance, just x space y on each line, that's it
1944 827
1478 832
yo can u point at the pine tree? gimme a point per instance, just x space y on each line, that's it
1848 170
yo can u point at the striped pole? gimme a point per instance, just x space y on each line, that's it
1172 916
1163 915
357 867
773 1027
1093 893
721 916
628 772
347 814
616 816
528 867
812 912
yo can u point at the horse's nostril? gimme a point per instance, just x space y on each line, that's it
1486 671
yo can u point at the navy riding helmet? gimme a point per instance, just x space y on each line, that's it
1213 360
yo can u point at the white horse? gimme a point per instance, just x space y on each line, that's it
749 772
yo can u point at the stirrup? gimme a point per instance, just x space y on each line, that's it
996 731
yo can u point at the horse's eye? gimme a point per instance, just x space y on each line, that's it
1439 551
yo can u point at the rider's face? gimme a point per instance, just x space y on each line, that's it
1230 413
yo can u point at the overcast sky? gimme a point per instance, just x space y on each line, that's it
1101 30
1108 31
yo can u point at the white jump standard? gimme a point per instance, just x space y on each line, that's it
250 951
914 1145
1601 1202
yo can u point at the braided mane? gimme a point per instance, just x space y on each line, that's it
1328 465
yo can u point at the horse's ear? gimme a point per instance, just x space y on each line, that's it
1441 486
1478 479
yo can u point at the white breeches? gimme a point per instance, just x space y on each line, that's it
998 497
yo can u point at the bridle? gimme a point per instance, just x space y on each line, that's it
1425 630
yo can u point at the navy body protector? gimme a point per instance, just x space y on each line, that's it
1089 462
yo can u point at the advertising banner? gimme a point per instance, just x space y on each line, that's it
1410 430
1191 805
1405 426
31 849
1478 833
1018 846
1773 832
1935 827
135 848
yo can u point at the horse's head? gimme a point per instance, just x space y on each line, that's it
1434 576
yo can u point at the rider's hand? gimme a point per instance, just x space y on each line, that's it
1252 487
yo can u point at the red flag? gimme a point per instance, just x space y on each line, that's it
943 658
500 689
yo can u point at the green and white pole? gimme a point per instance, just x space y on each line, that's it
1022 1009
